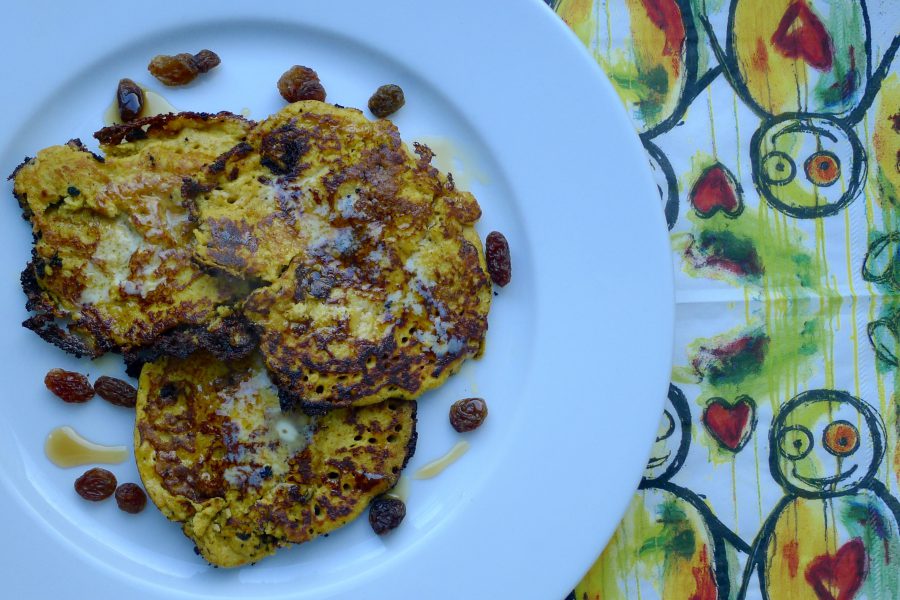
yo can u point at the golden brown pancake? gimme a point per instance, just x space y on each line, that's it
377 284
112 254
216 453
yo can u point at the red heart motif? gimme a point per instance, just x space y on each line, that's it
716 189
842 573
730 424
801 34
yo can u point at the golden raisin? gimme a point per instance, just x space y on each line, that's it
468 414
131 498
183 68
386 513
301 83
130 98
69 386
386 100
498 262
116 391
96 484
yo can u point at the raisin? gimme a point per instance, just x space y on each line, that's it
183 68
130 98
96 484
69 386
498 263
386 100
116 391
131 498
300 83
386 513
468 414
206 60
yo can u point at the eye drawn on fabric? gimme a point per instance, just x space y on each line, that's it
805 67
730 423
835 533
653 64
669 534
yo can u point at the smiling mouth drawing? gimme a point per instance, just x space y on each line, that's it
823 481
657 461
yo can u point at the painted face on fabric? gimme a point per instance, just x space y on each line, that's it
807 167
825 443
672 440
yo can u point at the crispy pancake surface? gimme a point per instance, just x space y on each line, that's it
377 284
217 454
112 253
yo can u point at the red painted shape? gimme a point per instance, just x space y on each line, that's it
666 15
729 424
842 573
792 556
801 34
715 190
704 580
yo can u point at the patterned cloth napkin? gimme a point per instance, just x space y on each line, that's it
773 129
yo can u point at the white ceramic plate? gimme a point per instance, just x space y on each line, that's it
579 344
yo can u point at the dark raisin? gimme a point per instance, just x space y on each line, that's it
386 513
116 391
301 83
386 100
130 98
69 386
205 60
468 414
73 191
131 498
498 263
96 484
183 68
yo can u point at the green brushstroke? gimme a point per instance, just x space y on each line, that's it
644 86
784 351
844 23
657 547
677 537
867 517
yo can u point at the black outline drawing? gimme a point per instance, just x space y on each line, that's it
873 78
876 247
884 353
756 561
719 532
750 427
669 195
735 185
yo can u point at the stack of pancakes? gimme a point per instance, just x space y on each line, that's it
286 289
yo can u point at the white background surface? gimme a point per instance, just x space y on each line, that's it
579 346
